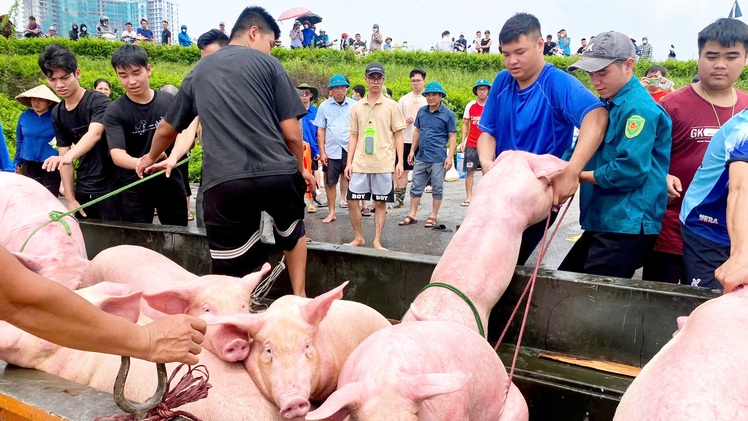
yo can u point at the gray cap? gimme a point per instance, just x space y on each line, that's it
606 48
374 67
376 26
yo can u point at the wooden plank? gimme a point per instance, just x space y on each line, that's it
15 410
606 366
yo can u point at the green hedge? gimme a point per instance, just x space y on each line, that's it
457 72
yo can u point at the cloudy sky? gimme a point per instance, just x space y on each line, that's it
420 23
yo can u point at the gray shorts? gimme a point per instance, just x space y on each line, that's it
471 162
422 172
378 187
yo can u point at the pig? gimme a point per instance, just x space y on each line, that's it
426 379
52 252
232 397
515 193
299 346
700 374
170 289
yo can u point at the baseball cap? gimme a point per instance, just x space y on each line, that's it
434 88
374 67
376 26
482 82
338 80
606 48
222 23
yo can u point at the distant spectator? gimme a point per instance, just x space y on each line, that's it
387 44
359 45
211 41
476 41
564 43
376 38
165 33
103 30
33 29
73 34
129 34
308 33
646 49
486 42
84 31
144 33
6 164
322 40
671 53
345 41
657 85
222 28
637 48
296 36
581 49
358 92
445 44
460 45
52 32
102 85
184 39
549 48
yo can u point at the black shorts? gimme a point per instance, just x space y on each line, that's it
49 179
406 152
166 195
233 220
109 209
702 257
471 162
184 169
334 169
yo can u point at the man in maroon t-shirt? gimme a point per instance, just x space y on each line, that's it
697 112
470 134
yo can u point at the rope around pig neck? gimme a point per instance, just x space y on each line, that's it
461 295
56 216
529 289
189 389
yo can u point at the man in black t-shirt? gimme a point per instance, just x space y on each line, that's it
165 33
78 120
252 148
130 122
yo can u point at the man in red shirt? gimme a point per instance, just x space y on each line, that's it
656 83
470 134
697 112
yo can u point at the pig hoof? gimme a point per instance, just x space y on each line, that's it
295 408
236 351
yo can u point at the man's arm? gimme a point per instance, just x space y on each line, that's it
321 133
352 143
451 152
399 148
291 130
185 141
163 138
67 176
486 151
465 132
87 142
54 313
734 272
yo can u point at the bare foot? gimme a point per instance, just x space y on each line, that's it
331 217
378 246
355 243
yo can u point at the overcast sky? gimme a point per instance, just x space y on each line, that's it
420 23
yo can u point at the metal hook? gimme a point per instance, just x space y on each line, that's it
140 410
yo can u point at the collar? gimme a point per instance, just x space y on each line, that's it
620 97
438 110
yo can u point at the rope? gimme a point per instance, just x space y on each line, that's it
189 389
461 295
529 289
56 216
263 288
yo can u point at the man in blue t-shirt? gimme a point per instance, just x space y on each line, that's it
144 34
534 107
713 216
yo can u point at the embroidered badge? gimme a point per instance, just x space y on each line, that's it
634 126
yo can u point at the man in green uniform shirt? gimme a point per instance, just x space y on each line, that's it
623 189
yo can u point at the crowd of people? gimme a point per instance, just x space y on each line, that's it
653 188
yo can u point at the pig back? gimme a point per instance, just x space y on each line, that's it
136 266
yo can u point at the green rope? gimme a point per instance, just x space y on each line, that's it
56 216
461 295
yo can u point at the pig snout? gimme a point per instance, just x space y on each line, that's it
294 407
236 350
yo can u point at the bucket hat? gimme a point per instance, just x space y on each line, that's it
338 80
434 88
482 82
315 93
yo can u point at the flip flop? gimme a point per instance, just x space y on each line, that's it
430 223
442 227
465 204
344 205
407 221
365 212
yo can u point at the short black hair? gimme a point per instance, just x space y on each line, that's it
360 89
54 57
518 25
727 32
255 16
389 92
32 18
656 68
445 33
143 20
214 36
165 21
583 39
418 71
100 81
128 56
128 23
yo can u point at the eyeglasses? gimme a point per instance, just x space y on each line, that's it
305 94
379 79
416 81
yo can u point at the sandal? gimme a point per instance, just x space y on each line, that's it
407 221
430 223
344 205
465 204
365 212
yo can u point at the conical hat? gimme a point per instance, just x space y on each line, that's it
41 91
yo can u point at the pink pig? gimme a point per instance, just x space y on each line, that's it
702 373
412 372
25 206
170 289
299 345
233 396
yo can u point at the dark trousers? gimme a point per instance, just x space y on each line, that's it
665 267
166 195
49 179
106 210
702 257
608 254
531 237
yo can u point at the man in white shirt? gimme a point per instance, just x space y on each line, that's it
409 104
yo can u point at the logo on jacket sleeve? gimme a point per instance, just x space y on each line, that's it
634 126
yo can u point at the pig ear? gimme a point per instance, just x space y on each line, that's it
253 279
32 263
127 306
246 322
424 386
317 309
172 301
337 406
